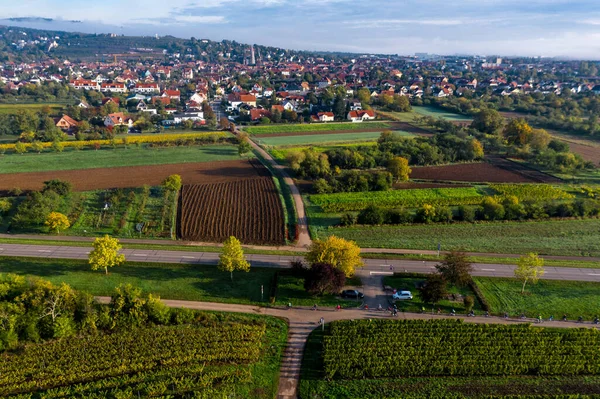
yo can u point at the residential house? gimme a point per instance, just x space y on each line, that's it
84 84
363 115
172 94
256 114
146 88
66 123
113 88
117 119
325 116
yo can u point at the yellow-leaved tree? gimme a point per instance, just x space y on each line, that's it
341 254
232 257
106 253
57 221
530 267
399 169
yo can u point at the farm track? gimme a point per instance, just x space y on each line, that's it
136 176
534 175
471 172
249 209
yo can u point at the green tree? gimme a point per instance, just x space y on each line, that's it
456 268
530 267
517 132
57 221
398 167
57 146
20 148
488 121
434 290
232 257
244 146
323 278
106 253
341 254
36 146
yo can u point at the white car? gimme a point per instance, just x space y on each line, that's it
402 295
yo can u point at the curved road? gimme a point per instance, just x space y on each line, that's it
373 267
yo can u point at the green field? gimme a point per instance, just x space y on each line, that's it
110 158
440 113
315 127
546 298
14 108
281 153
172 281
412 198
553 237
322 139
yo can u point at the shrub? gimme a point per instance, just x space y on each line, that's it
491 209
469 302
348 219
564 210
399 216
5 205
372 215
64 327
443 214
321 186
182 316
467 213
158 312
514 211
426 214
323 278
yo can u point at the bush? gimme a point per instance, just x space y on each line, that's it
158 312
399 216
426 214
321 186
491 209
64 327
469 302
182 316
372 215
467 213
564 210
443 214
514 211
323 278
348 219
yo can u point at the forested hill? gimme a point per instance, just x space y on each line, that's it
25 44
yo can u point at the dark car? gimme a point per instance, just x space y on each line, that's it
352 294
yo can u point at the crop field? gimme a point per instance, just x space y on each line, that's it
280 153
546 298
342 202
248 209
534 192
448 359
529 173
551 237
469 172
111 158
440 113
238 359
321 139
135 176
315 127
14 108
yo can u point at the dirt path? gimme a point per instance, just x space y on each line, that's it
304 240
302 321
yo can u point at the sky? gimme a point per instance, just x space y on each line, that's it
563 28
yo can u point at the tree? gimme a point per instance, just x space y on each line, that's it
323 278
38 147
232 257
172 183
106 253
530 267
341 254
57 146
20 148
487 121
456 268
57 221
517 131
434 289
224 123
244 147
398 167
60 187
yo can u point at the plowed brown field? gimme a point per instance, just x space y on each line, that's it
136 176
472 172
250 210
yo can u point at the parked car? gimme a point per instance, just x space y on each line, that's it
402 295
352 294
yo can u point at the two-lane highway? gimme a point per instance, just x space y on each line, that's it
374 266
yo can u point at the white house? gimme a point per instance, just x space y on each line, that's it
113 88
325 116
146 88
359 116
117 119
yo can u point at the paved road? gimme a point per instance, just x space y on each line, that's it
375 267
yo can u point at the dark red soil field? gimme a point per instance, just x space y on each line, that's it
588 153
249 209
532 174
136 176
472 172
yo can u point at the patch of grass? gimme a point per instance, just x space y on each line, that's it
132 156
14 108
280 153
547 297
552 237
440 113
400 282
324 139
315 127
